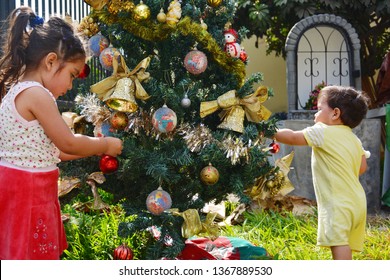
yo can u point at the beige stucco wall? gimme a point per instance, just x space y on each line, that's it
274 70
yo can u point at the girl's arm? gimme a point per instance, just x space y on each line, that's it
290 137
37 102
66 157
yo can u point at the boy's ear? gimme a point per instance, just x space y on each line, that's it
50 59
336 113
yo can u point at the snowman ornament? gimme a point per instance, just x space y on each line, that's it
231 46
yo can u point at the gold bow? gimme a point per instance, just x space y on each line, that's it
96 4
235 108
275 183
192 224
119 89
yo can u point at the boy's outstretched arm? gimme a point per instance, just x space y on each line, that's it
363 165
290 137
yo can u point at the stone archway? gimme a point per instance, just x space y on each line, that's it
349 50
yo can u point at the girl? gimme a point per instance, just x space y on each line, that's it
40 61
337 161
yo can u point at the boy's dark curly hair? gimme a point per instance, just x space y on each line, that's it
353 104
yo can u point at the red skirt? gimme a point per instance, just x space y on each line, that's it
30 217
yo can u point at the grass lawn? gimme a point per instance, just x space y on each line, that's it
290 237
286 236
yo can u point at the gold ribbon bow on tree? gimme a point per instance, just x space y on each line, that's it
119 89
235 109
275 184
192 224
96 4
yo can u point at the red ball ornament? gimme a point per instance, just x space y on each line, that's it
123 252
274 147
108 164
85 72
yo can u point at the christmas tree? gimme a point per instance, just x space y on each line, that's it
193 125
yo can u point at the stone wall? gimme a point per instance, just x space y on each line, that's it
368 131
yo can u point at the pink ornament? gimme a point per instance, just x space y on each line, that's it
195 62
231 46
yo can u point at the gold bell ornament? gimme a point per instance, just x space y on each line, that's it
209 175
120 89
122 99
233 119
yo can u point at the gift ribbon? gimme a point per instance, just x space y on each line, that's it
230 103
192 224
105 88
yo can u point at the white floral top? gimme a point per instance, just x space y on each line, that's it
24 143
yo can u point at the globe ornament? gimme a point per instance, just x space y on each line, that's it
214 3
97 43
106 129
141 12
209 175
107 56
119 120
195 62
164 119
158 201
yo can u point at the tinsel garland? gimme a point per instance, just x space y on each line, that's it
235 148
157 32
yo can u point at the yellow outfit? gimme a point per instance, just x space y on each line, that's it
341 200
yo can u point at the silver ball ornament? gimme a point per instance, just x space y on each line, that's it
185 102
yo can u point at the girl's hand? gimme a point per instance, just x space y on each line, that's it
114 146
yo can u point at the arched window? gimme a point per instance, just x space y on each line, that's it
322 56
320 48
